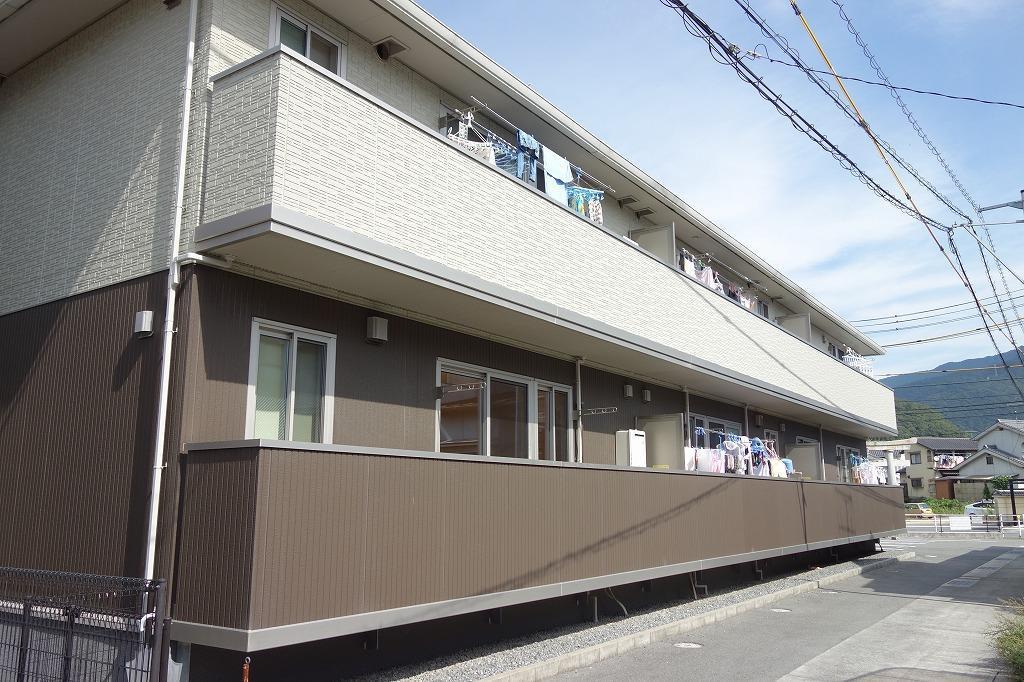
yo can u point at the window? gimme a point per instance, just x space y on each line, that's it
916 483
833 351
486 412
915 458
989 459
291 383
705 438
316 45
762 309
772 435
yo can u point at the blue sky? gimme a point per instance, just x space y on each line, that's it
629 71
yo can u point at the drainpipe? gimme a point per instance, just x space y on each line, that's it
579 410
821 450
687 436
173 272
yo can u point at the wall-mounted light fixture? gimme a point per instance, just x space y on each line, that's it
627 391
376 330
782 426
645 395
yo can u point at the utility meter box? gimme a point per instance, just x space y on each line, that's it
631 448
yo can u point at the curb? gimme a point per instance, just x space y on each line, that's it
599 652
965 535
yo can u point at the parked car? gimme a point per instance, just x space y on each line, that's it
982 508
918 509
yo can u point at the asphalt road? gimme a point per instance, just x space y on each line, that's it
908 622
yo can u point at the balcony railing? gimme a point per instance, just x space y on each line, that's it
346 539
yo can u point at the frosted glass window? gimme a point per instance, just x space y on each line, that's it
544 423
309 392
291 384
297 34
293 36
272 389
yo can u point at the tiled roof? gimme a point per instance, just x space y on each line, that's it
968 444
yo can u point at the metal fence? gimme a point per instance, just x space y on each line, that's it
1012 524
70 626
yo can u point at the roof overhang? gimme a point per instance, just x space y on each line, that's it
40 25
444 57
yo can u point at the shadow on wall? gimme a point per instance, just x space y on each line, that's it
77 397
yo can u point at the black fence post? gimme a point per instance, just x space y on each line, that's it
69 643
26 615
160 644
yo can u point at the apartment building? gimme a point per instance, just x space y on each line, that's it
320 314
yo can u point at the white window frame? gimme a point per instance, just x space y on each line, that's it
843 453
772 434
532 384
294 334
706 419
278 12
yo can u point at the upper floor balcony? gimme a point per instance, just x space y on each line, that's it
310 179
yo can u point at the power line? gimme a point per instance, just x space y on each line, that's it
958 267
952 335
979 100
947 383
947 371
928 324
873 61
850 110
906 316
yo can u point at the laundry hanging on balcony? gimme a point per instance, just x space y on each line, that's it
529 149
586 202
482 150
557 175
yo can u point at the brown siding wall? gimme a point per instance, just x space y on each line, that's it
339 534
77 396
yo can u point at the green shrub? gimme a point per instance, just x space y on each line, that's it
945 506
1009 634
1000 482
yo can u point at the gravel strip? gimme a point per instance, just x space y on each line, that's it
507 655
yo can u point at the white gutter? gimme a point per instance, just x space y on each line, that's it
169 312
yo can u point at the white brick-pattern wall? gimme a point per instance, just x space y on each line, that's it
342 158
87 157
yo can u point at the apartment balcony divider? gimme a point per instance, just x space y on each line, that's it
283 542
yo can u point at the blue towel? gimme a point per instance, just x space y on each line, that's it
529 148
789 464
557 174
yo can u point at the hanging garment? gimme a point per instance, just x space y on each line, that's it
707 277
557 174
596 210
482 150
746 302
526 164
788 463
506 157
717 285
690 459
688 267
777 468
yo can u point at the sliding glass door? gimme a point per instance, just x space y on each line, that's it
486 412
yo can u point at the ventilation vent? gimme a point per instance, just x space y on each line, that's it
388 48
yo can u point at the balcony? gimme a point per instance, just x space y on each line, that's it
282 543
310 179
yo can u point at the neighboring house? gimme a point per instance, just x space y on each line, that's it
928 457
1000 453
391 374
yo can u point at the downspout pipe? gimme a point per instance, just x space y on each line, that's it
173 279
579 409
